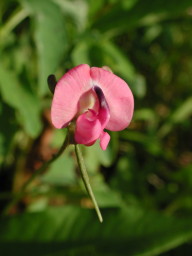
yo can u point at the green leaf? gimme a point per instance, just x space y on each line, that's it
76 9
7 131
76 231
80 53
121 18
94 157
50 37
183 112
18 97
105 196
62 171
117 60
94 7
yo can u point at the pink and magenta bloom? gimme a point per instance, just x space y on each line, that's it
92 99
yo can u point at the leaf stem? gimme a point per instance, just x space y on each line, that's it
86 181
36 173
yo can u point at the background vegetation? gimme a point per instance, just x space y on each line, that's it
143 182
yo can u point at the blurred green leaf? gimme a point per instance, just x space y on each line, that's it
146 114
50 37
76 9
138 86
65 229
185 176
105 196
152 33
88 50
18 16
94 7
62 171
18 97
183 112
150 142
121 18
80 53
118 60
7 131
95 156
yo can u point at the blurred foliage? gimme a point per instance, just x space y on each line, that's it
143 181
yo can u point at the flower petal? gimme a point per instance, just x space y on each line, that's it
104 112
104 140
118 96
67 93
88 129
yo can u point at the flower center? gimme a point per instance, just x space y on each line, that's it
88 100
93 106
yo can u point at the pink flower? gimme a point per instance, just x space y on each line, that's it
93 99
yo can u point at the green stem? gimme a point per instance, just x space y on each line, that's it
36 173
86 182
15 20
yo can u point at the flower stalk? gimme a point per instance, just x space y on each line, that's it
85 179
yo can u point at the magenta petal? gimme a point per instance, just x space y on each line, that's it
67 93
104 140
87 130
118 96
